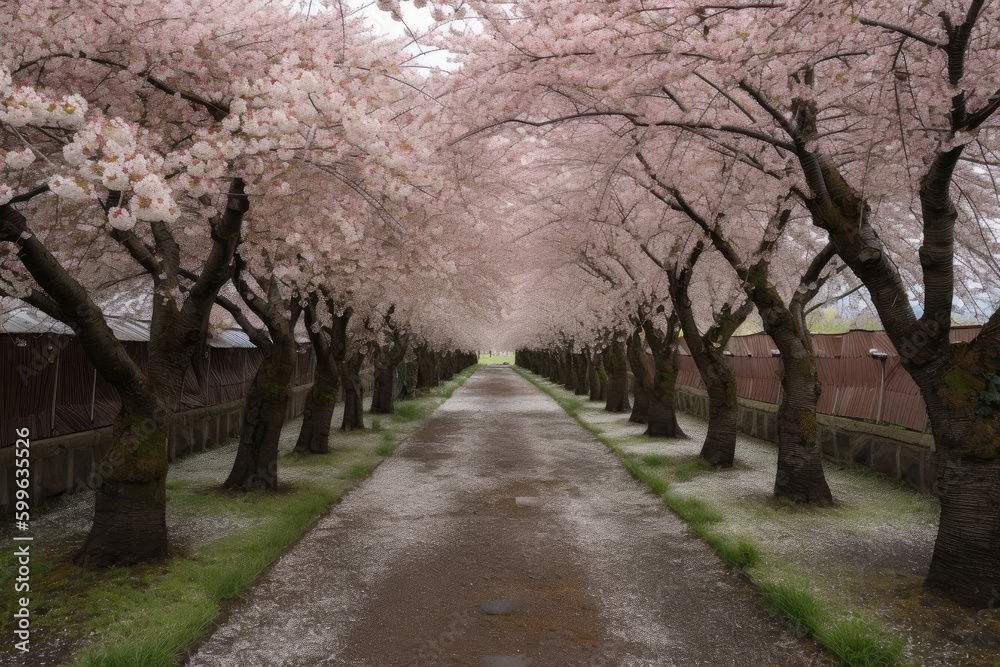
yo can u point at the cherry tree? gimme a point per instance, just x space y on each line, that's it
943 92
161 179
886 115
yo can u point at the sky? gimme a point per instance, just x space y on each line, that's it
417 20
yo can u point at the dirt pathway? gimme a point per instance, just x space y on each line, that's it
501 535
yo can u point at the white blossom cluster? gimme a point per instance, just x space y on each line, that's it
23 105
108 153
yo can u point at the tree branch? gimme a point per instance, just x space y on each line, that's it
905 32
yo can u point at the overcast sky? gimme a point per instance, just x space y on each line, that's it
418 20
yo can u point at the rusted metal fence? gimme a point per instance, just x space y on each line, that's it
48 386
859 371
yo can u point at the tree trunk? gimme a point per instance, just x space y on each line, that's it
425 369
800 475
387 359
966 425
384 390
594 375
640 404
719 448
580 365
256 465
354 399
130 523
662 419
447 361
555 373
130 499
636 353
314 438
409 371
568 376
616 367
800 464
955 379
966 561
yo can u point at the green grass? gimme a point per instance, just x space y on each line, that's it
387 446
861 644
655 460
376 424
485 358
693 510
358 471
409 411
655 483
685 472
856 642
739 552
151 615
795 602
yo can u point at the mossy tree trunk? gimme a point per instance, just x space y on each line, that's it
594 374
635 350
317 417
800 461
386 360
958 381
965 419
615 361
354 397
719 448
966 561
582 380
265 406
321 402
131 493
662 419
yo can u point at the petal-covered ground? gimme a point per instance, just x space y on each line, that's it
501 533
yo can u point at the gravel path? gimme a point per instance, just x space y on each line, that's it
501 503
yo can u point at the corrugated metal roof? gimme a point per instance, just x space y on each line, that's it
26 321
231 338
30 321
129 330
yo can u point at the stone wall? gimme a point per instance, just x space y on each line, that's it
901 454
69 463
